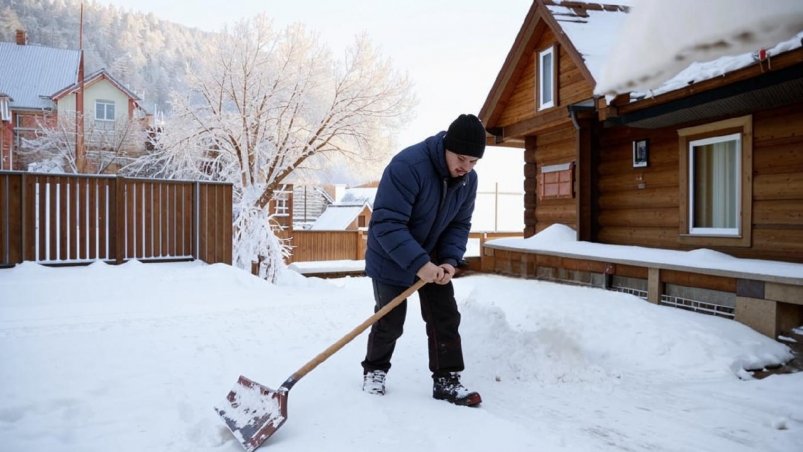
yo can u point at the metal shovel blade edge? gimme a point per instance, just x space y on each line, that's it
253 412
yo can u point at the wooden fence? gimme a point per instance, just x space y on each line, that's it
325 245
69 219
309 246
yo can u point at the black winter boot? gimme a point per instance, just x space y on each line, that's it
448 387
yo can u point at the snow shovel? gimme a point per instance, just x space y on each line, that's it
253 412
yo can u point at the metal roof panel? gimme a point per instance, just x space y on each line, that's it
30 74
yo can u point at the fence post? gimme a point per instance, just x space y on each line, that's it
34 217
360 245
118 216
196 219
23 220
5 217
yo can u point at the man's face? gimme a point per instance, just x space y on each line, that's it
459 164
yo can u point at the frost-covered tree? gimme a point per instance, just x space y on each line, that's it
9 24
266 103
108 146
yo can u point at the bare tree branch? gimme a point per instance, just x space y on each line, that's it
109 145
268 102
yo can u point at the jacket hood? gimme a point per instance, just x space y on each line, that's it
437 153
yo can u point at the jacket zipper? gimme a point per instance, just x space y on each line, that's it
443 196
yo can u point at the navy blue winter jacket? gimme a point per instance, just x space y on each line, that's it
420 214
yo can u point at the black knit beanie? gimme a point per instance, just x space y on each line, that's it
466 136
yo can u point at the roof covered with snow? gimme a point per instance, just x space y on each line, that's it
31 74
587 31
660 39
337 217
697 72
615 42
602 34
357 196
592 28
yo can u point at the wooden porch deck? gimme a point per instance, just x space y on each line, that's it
771 304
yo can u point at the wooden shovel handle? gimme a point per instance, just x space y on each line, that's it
351 335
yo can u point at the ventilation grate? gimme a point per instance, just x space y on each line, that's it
631 291
698 306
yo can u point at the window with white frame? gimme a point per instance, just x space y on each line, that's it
104 110
715 185
546 78
5 112
282 203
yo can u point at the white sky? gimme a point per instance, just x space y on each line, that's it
452 49
133 358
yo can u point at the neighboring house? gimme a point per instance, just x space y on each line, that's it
280 207
112 113
711 159
300 206
38 86
343 218
6 131
297 206
309 202
351 212
358 195
337 233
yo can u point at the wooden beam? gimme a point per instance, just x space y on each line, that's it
542 123
654 285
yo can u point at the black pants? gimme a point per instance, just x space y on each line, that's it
439 310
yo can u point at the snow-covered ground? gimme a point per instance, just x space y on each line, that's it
134 357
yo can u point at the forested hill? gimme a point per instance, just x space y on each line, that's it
147 54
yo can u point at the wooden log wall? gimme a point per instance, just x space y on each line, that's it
550 137
638 206
641 206
548 149
521 104
778 184
572 85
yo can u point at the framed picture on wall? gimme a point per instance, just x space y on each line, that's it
641 153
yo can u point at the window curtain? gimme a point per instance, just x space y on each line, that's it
716 172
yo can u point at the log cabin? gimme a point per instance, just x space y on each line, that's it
711 159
